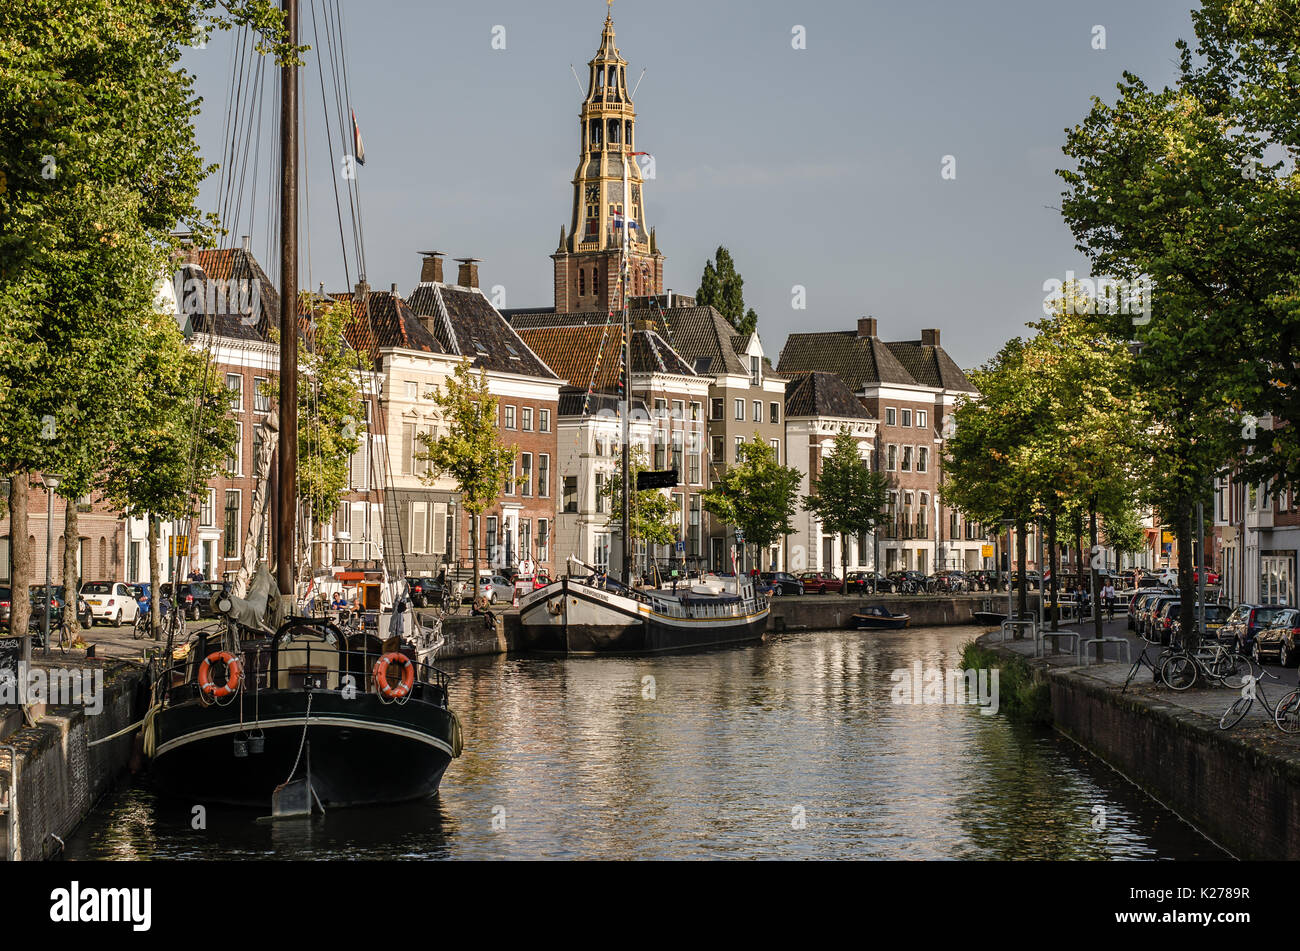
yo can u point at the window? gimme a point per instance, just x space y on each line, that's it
600 492
694 461
740 410
543 420
261 395
891 416
235 385
543 476
922 459
419 528
693 527
234 461
525 537
511 476
570 493
661 409
755 371
906 418
510 417
491 539
661 449
776 449
740 441
412 390
408 448
907 458
921 417
526 482
954 527
774 416
526 419
677 452
758 411
891 457
696 409
715 411
717 449
207 509
679 409
230 524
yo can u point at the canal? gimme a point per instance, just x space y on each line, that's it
790 749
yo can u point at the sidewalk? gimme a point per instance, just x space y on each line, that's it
1208 701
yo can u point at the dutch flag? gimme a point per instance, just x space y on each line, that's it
618 222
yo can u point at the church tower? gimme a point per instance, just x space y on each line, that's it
587 260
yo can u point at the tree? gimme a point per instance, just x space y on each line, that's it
652 515
469 451
100 165
722 287
180 434
757 494
849 498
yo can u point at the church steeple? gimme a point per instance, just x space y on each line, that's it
587 262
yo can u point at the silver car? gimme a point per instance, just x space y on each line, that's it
496 588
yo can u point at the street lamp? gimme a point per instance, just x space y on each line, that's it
51 483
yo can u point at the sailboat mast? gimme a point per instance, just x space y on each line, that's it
628 487
286 509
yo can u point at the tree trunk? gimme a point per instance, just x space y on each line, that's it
473 557
844 563
1092 570
1052 566
20 560
71 547
1022 556
155 572
1186 587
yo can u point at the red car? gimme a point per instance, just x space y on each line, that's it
814 582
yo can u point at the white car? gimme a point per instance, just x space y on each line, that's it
110 601
496 588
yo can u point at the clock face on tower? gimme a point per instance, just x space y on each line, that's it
593 193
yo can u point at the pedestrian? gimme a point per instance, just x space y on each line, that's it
1108 594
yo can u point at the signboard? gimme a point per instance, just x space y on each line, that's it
986 551
178 546
661 479
681 547
11 652
526 567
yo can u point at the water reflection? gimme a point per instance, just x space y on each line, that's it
569 759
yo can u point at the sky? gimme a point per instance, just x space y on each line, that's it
819 168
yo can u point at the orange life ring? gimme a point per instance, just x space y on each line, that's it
381 675
234 674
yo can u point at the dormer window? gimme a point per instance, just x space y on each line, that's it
755 371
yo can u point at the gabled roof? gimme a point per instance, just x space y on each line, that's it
930 365
858 361
226 319
464 322
822 394
702 337
589 355
382 320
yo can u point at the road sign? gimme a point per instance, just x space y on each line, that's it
178 546
986 551
656 479
681 547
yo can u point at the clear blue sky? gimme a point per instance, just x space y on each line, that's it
817 167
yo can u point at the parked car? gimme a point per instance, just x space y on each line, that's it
814 582
1215 616
986 578
782 582
111 602
1033 580
869 582
189 597
541 579
1280 640
1244 625
496 588
1146 622
901 579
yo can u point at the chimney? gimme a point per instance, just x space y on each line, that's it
929 338
360 291
467 275
247 243
393 289
866 327
431 268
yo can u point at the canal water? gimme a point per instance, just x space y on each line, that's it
793 748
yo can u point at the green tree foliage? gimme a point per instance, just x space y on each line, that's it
469 451
757 494
722 287
653 517
849 498
98 166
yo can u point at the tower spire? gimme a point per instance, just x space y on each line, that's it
587 264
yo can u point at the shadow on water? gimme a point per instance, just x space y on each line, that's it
793 748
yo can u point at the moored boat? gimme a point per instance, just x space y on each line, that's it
879 618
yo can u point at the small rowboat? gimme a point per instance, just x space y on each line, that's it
875 617
990 618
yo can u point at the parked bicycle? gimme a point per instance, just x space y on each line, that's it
1212 663
1252 690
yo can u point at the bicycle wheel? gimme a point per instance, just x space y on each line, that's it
1178 672
1132 672
1232 716
1287 714
1232 670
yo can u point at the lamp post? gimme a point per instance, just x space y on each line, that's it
1009 525
51 483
